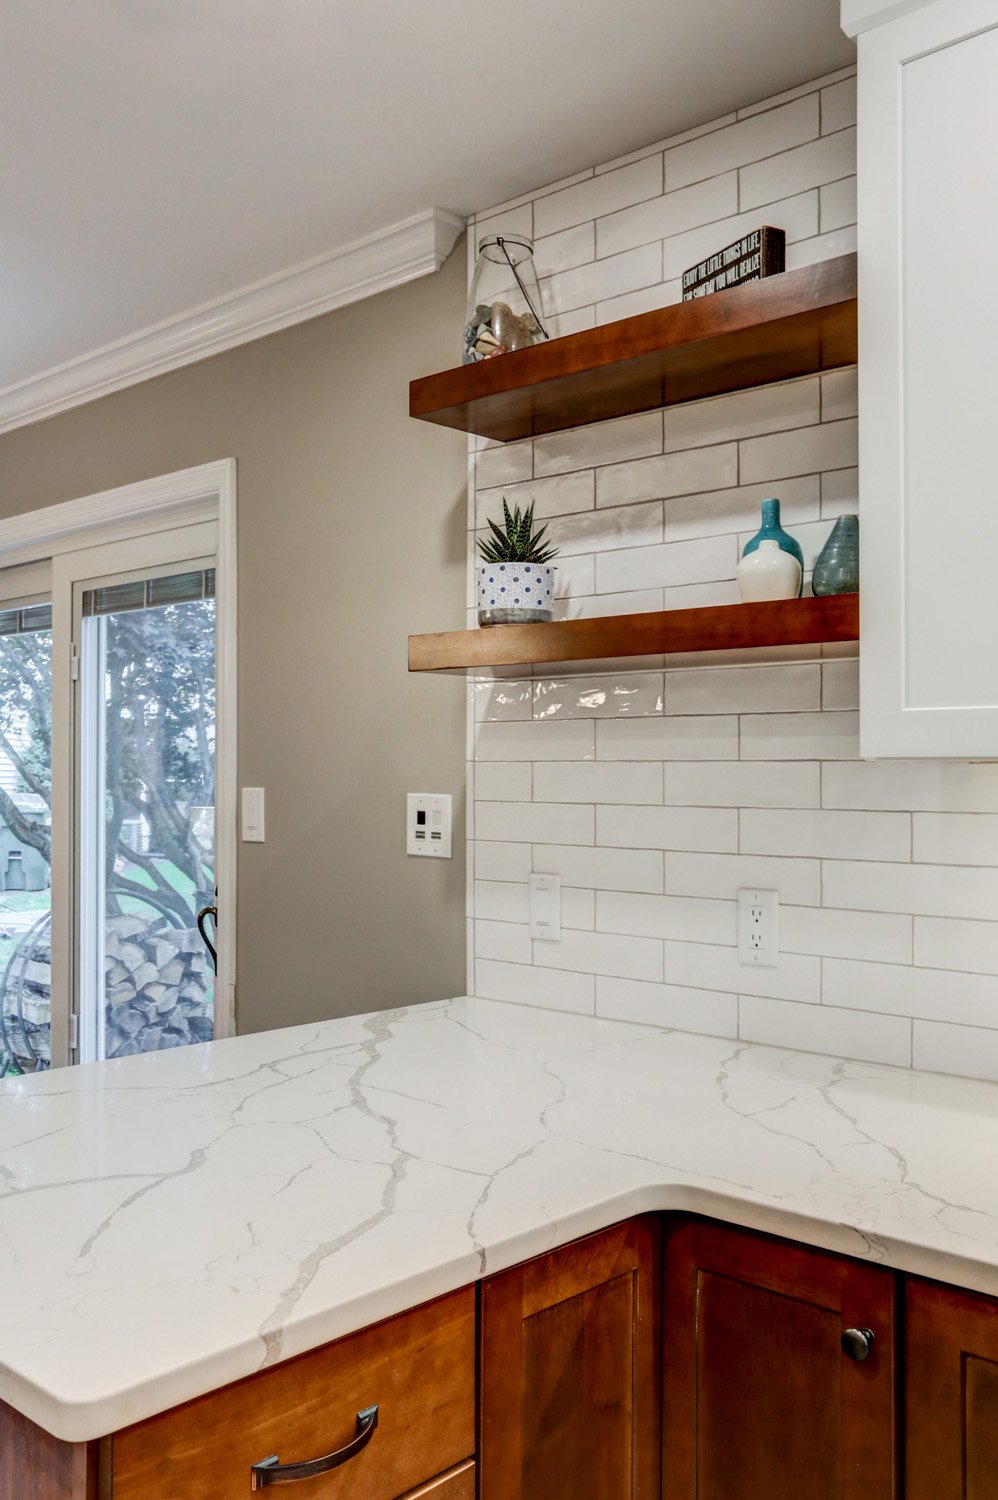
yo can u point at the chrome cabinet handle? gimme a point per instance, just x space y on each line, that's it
857 1343
272 1471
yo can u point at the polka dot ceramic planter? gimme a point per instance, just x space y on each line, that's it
515 593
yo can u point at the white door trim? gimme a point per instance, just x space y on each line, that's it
164 503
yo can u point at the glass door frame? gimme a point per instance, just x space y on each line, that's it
182 549
69 534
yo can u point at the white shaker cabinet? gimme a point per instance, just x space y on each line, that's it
928 359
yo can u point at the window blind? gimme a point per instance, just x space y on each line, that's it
20 621
147 593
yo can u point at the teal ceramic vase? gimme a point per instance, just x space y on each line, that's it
772 531
837 568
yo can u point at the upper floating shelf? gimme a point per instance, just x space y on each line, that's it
796 323
725 627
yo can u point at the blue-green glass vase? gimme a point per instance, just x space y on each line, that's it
771 530
837 568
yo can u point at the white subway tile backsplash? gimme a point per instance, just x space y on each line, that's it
923 786
602 869
837 205
722 875
535 823
811 87
629 694
819 736
583 285
506 941
738 509
826 835
509 463
743 414
840 492
558 495
878 936
602 443
775 689
598 195
809 450
604 530
560 739
924 890
743 784
807 166
686 473
498 781
602 953
713 967
956 838
748 140
670 563
840 684
656 796
672 213
949 943
965 1050
501 861
712 829
703 1011
682 918
526 984
820 1028
600 782
711 737
797 216
897 989
838 106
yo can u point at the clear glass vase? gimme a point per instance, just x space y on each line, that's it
504 304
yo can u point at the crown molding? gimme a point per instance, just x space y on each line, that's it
414 247
862 15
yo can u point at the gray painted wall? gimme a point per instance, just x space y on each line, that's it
351 534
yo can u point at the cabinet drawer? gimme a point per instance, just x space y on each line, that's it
418 1368
457 1484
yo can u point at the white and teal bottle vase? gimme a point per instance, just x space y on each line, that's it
772 563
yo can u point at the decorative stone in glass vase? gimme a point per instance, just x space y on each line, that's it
515 593
504 304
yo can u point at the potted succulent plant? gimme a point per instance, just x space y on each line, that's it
515 587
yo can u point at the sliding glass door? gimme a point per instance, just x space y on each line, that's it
145 808
25 819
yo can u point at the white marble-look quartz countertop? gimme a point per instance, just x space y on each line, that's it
173 1222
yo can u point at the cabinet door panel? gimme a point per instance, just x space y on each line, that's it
951 1395
570 1372
929 381
760 1399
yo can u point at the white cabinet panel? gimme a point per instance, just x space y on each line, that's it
928 216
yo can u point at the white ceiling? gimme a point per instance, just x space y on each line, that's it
159 154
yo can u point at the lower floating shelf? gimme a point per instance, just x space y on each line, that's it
728 627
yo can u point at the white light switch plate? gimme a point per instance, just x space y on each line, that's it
545 908
428 824
254 830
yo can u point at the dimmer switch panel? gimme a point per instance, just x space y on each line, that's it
428 824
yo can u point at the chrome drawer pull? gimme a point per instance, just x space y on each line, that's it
272 1471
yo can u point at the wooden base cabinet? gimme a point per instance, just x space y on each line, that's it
762 1400
951 1394
570 1353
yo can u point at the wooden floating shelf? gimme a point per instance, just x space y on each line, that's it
796 323
728 627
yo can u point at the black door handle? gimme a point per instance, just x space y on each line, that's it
857 1343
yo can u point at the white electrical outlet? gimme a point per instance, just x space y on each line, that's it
545 908
759 928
